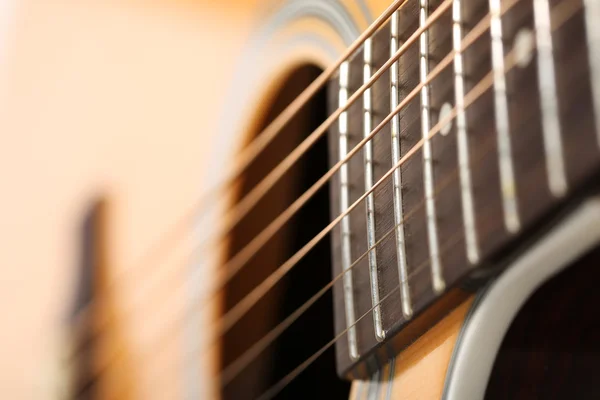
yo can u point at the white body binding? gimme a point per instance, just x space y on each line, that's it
497 305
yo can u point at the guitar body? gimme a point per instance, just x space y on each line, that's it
117 117
540 356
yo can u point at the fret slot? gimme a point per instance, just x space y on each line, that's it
370 200
346 256
407 310
505 161
432 236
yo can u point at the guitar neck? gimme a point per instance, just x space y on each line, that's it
490 114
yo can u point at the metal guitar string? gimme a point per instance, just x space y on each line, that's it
241 209
286 380
560 14
237 262
239 310
483 86
236 312
251 151
236 366
243 360
439 124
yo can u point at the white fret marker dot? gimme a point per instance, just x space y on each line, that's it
445 112
523 45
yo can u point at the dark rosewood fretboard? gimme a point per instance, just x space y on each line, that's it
512 157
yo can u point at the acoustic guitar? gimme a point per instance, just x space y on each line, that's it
341 199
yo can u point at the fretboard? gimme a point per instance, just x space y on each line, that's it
515 86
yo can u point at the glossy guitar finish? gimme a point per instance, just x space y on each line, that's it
144 106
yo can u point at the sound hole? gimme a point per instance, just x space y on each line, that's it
315 327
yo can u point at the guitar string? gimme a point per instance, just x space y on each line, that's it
236 366
271 392
259 291
241 258
259 243
262 343
557 22
452 241
560 14
509 64
483 85
249 200
246 156
260 142
237 262
237 311
228 374
469 99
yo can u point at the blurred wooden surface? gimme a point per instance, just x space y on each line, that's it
123 100
116 99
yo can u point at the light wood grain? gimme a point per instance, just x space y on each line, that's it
420 370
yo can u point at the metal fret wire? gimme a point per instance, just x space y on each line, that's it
270 393
240 259
462 140
345 223
560 15
370 200
397 177
434 73
555 167
505 164
242 306
243 360
247 302
244 255
432 236
471 97
483 85
252 150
